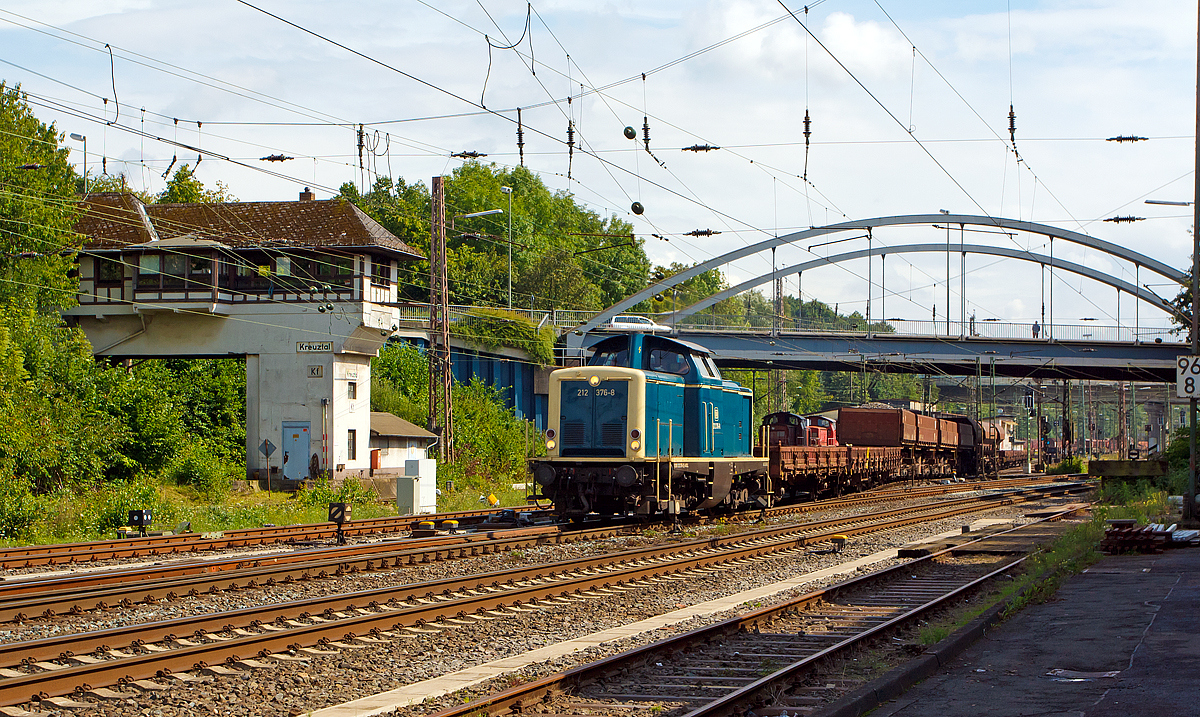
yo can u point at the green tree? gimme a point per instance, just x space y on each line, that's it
806 391
563 255
54 431
184 188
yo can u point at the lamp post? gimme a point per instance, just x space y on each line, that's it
508 191
82 138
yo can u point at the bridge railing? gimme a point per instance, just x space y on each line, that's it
417 316
978 329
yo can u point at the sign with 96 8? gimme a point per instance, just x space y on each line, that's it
1187 377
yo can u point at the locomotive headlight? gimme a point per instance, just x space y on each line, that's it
594 381
635 445
550 444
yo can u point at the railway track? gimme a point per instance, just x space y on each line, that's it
185 544
755 661
74 593
53 667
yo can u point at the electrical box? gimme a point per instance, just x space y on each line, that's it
416 490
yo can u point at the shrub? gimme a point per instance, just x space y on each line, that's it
18 508
350 491
1074 464
195 465
107 508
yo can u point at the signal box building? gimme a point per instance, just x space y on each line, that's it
305 292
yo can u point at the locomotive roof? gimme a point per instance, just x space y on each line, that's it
688 346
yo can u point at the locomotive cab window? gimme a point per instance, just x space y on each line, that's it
668 361
712 367
611 352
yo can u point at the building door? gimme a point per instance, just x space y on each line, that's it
295 450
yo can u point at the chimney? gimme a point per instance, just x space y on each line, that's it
307 195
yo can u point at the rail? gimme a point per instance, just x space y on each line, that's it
727 667
30 672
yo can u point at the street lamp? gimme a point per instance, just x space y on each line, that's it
82 138
508 191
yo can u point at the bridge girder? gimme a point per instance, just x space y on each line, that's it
1142 293
901 220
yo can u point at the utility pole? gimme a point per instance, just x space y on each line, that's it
441 413
1041 461
508 191
978 389
1122 422
1189 498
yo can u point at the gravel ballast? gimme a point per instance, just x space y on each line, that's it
293 688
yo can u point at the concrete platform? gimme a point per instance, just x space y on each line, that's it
1135 616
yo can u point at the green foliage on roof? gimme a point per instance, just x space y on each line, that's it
498 327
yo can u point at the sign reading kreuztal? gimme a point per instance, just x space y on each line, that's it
314 347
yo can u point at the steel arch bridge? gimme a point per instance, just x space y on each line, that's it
1140 292
1115 250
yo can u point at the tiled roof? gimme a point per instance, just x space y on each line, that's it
113 221
389 424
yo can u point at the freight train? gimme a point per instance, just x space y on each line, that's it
649 426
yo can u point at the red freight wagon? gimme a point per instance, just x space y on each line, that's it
877 427
947 433
927 430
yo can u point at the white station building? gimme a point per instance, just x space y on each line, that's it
304 291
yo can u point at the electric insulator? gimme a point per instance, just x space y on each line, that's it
646 132
637 208
807 127
1012 124
630 133
520 137
570 134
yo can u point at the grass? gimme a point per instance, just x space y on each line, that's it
931 635
1045 570
77 516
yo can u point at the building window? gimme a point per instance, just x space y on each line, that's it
381 272
148 268
174 270
351 445
109 271
352 390
200 269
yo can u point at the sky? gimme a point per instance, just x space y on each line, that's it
909 106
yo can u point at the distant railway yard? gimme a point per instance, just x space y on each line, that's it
506 614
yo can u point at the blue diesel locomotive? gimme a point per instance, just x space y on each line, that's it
648 426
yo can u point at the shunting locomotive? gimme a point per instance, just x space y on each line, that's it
648 426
